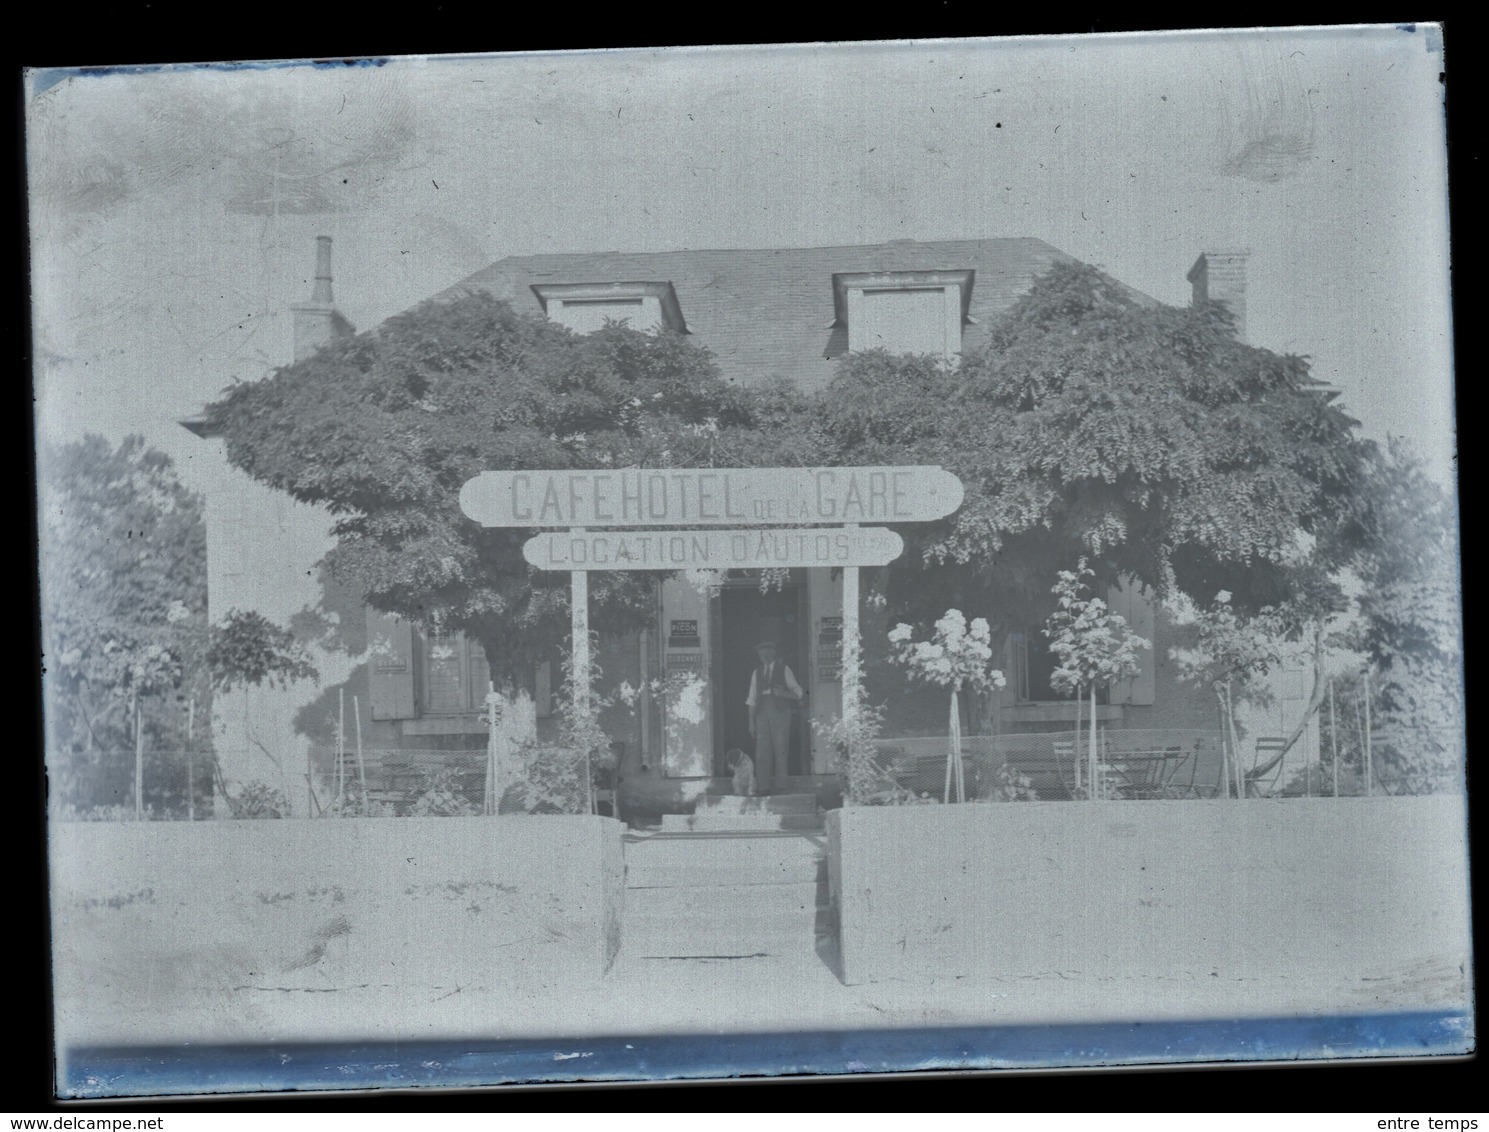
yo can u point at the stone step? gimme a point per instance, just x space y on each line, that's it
727 901
756 896
724 921
727 822
721 943
705 874
766 804
709 934
715 849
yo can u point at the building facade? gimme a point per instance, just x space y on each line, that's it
413 697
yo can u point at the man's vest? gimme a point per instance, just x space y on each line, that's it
779 691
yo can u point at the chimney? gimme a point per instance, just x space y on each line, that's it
318 322
1221 277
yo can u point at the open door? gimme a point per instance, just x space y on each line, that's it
747 617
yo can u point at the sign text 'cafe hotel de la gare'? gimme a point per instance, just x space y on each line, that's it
816 521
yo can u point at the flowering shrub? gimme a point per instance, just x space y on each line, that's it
958 657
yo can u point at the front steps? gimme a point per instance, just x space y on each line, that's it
736 813
726 895
644 798
740 879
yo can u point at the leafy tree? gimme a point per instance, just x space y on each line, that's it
124 601
1095 423
1410 626
1232 658
383 429
1095 648
1394 538
246 650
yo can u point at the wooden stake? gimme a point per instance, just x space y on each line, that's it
492 769
1075 747
1369 753
190 759
139 760
340 743
852 656
1091 766
954 754
579 629
361 766
1238 778
961 763
643 700
1334 736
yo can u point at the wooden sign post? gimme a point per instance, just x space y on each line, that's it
579 661
852 654
771 518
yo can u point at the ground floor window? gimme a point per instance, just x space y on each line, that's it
1032 665
456 675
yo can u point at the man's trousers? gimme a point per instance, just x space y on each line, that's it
773 721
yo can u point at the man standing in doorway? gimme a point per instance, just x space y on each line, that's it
774 693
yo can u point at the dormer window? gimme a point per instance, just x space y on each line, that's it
586 307
904 312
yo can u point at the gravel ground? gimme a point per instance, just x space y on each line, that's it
155 999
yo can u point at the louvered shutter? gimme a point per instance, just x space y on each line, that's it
1134 603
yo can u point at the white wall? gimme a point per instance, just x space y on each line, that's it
262 551
1255 892
256 931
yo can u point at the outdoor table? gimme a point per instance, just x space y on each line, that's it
1145 774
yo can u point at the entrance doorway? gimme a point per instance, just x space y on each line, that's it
747 617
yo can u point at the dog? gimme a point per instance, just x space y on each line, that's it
743 768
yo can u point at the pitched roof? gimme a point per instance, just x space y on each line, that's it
770 311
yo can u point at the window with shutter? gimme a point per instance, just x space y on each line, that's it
1032 664
456 675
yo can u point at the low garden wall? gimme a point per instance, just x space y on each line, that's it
170 918
1318 887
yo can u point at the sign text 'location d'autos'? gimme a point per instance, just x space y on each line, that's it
713 549
709 496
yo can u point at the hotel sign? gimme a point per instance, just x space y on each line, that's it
713 549
703 497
